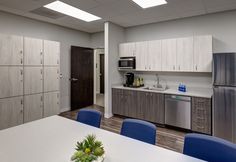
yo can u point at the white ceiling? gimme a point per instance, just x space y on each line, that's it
122 12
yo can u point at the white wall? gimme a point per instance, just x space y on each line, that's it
221 25
17 25
114 35
97 40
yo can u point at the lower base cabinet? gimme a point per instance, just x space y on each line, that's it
201 115
136 104
11 112
33 107
51 103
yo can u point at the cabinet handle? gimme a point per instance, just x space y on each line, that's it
41 98
41 53
21 72
21 51
41 70
57 61
200 127
41 61
21 111
21 61
174 67
21 102
200 118
196 67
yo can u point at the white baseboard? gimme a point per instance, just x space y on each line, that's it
108 115
65 109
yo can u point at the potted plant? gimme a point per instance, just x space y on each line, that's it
89 150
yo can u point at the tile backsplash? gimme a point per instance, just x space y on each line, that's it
172 79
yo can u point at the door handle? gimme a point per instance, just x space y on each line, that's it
73 79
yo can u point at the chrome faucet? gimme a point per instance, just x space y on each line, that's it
158 81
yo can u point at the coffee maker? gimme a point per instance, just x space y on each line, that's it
129 79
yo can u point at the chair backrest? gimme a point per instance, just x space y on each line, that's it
90 117
209 148
140 130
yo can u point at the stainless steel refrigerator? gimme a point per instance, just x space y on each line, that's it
224 96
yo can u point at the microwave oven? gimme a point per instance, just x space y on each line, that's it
127 63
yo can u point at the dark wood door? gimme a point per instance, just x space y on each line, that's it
102 73
81 77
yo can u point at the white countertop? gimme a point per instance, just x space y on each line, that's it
53 139
193 92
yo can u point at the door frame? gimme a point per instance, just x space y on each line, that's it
97 51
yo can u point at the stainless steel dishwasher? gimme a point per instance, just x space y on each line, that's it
178 111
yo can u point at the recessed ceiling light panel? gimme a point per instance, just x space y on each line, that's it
149 3
71 11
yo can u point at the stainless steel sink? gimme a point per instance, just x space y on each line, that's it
155 88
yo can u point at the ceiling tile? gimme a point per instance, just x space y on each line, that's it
122 12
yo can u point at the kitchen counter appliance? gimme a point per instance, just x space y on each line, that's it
126 63
224 96
129 79
178 111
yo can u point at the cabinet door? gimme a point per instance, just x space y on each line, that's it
143 104
33 80
33 51
51 52
141 55
201 115
51 104
33 107
11 81
154 55
185 54
11 112
133 108
127 50
51 79
11 50
156 111
116 101
203 53
168 53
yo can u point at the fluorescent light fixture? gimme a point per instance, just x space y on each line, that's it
149 3
71 11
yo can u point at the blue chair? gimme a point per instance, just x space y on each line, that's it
140 130
209 148
90 117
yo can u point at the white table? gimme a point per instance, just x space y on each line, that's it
53 139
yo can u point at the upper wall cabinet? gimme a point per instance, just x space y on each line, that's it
189 54
184 57
11 50
203 53
154 56
51 53
168 52
33 51
141 55
127 50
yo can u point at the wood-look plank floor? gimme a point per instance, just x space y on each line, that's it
166 138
